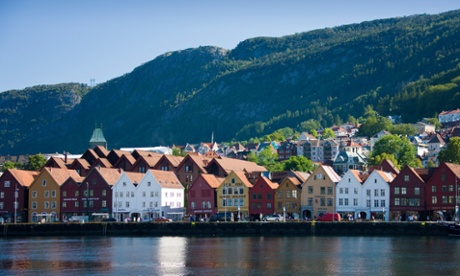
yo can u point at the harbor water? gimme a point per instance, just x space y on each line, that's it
310 255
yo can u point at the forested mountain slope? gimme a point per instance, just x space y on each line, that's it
402 66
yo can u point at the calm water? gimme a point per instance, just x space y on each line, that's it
230 256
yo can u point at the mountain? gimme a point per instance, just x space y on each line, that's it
404 66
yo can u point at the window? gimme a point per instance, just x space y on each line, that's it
6 184
403 190
64 193
329 190
2 205
310 201
323 190
310 189
132 193
382 203
53 193
188 168
433 189
64 204
322 201
203 204
209 204
356 191
76 204
235 202
241 201
382 192
376 192
144 194
44 182
46 204
396 190
254 196
269 196
346 191
434 199
294 193
451 188
149 184
340 201
164 168
376 203
34 205
142 169
127 204
34 194
397 201
444 188
444 199
416 191
355 202
77 193
53 204
406 178
230 202
368 193
104 203
368 203
47 194
346 201
241 191
269 205
288 194
104 192
341 191
224 202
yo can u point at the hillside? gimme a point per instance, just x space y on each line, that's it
403 66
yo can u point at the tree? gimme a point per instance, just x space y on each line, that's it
267 158
309 125
11 165
328 133
298 163
403 129
252 157
373 125
35 162
451 153
377 160
399 147
178 152
433 121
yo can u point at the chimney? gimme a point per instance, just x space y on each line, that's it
65 157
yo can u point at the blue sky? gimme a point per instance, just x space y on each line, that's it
56 41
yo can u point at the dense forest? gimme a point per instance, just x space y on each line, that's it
407 66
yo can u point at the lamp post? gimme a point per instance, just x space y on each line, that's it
224 200
456 200
16 192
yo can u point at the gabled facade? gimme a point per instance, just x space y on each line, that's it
81 166
442 191
262 198
318 192
146 162
377 195
347 160
349 200
287 200
125 162
129 199
233 195
172 194
319 150
191 166
45 194
435 145
287 149
222 166
202 201
407 195
168 163
14 197
71 203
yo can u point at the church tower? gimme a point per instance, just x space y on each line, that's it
98 138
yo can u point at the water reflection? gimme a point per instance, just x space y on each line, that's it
230 256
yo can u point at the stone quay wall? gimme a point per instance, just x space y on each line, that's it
207 229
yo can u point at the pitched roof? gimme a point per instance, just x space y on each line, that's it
110 175
386 176
135 177
167 179
243 178
455 168
97 136
212 180
82 162
174 160
61 175
270 183
437 139
231 164
24 178
331 173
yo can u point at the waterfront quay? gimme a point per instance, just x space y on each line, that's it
209 229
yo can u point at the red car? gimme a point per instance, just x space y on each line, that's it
330 217
163 219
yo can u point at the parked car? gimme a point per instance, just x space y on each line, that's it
221 217
330 217
162 219
109 219
272 217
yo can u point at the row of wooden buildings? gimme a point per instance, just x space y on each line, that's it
141 185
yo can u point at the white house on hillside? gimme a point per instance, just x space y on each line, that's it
124 193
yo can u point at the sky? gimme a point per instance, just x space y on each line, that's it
58 41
